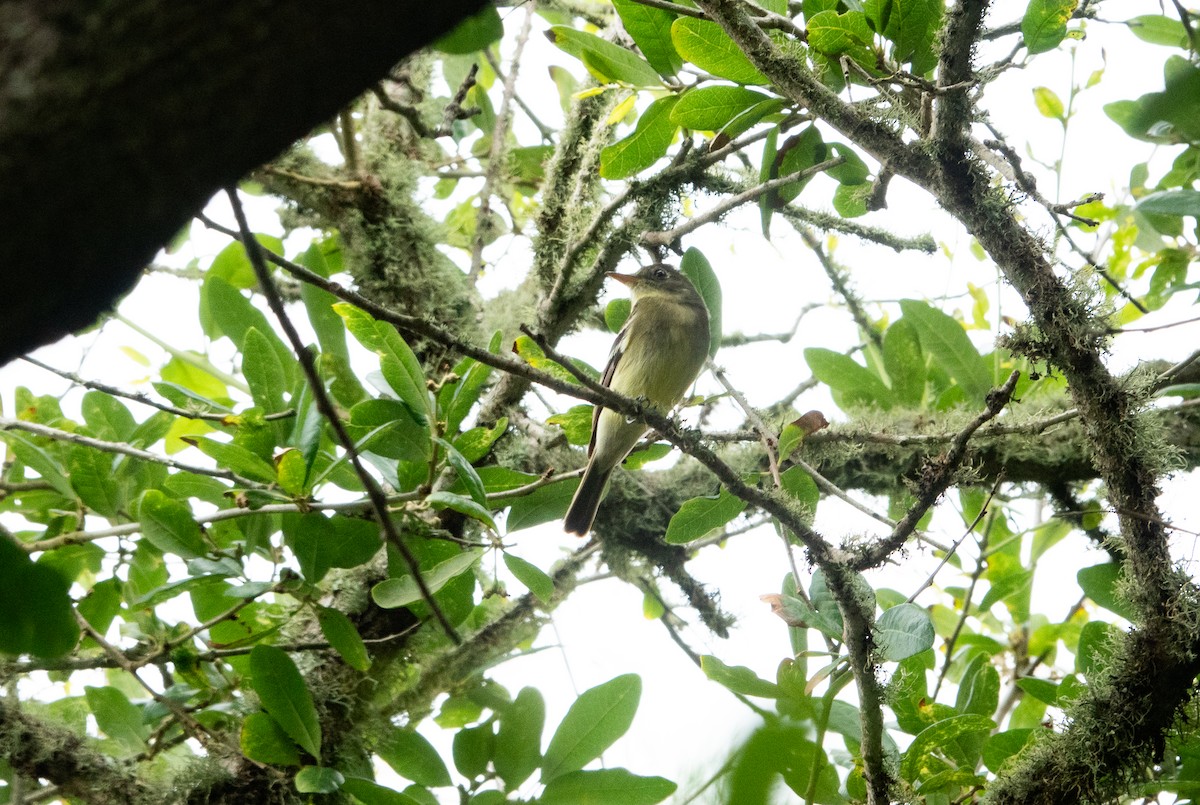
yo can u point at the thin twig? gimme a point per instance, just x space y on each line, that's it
123 449
327 409
726 205
145 399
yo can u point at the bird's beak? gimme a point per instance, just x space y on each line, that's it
625 279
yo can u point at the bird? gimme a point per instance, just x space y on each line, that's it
655 358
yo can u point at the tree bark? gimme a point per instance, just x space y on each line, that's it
119 119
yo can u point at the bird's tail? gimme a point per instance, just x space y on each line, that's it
586 501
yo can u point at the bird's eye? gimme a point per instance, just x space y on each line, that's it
660 273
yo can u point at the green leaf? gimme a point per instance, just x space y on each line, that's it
542 505
403 590
321 542
91 475
541 585
1159 30
318 780
944 338
370 792
594 722
902 631
345 639
911 25
466 473
700 516
979 690
38 460
1044 25
117 717
904 363
472 750
397 361
713 108
458 398
519 739
45 630
264 373
576 423
851 383
412 757
1003 745
651 30
292 472
706 45
639 458
1099 583
462 505
606 61
265 741
1171 202
477 442
234 316
1095 648
1049 104
919 753
285 697
390 429
695 266
235 458
606 787
107 417
1041 689
833 35
472 34
737 678
616 313
647 143
169 525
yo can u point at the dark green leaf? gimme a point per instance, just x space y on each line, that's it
472 749
477 442
285 697
47 630
594 722
389 428
1003 745
904 363
466 473
462 505
234 315
1099 583
576 423
91 474
320 542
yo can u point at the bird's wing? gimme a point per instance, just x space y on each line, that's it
610 369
